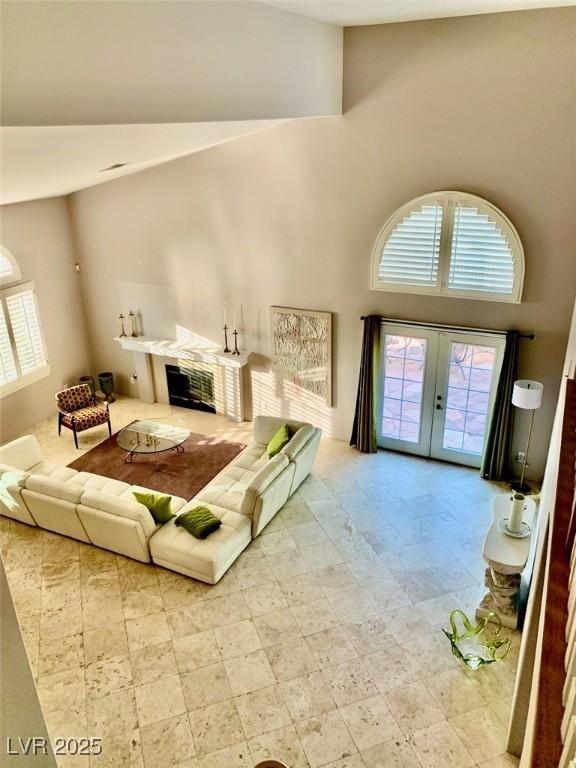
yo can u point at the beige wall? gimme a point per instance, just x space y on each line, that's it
101 63
38 235
484 104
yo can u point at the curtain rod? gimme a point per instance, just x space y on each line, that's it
460 328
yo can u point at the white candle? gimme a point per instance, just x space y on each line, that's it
225 313
517 513
233 320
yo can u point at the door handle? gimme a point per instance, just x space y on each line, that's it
439 407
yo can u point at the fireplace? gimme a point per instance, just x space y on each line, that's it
191 388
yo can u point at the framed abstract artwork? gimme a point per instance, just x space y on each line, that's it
302 349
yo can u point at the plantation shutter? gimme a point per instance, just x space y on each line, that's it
481 258
24 321
411 253
6 267
8 372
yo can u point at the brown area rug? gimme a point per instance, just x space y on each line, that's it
178 474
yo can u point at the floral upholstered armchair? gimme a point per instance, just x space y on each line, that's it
78 409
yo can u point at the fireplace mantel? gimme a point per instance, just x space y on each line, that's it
182 351
144 348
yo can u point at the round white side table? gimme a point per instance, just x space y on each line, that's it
506 557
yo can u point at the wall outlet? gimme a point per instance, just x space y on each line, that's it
520 456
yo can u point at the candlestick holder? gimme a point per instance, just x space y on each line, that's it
236 350
122 331
226 347
132 318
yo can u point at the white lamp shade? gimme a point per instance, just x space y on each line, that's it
527 394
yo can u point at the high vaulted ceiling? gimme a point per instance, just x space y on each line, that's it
50 161
89 85
352 13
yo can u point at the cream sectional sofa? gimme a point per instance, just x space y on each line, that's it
245 495
87 507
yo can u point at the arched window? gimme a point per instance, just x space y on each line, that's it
449 244
9 269
23 358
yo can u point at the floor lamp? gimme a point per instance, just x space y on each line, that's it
528 396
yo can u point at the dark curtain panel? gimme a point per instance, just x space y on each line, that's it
364 428
496 459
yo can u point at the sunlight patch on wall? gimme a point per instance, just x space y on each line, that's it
273 398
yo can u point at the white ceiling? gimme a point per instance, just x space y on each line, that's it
57 160
351 13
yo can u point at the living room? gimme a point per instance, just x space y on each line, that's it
195 165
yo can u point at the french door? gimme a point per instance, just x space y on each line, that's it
437 391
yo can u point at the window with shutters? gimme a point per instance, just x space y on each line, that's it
449 244
23 358
9 269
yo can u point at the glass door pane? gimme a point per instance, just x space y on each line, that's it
404 423
467 377
468 398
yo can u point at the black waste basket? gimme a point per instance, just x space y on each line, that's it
106 382
90 381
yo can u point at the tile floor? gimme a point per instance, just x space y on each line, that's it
320 647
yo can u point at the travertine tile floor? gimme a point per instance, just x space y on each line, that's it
320 647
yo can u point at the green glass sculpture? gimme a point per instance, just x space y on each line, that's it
472 645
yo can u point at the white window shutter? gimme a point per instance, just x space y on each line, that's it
411 253
9 269
481 258
8 372
25 325
449 244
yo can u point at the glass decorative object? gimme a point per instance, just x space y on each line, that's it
472 644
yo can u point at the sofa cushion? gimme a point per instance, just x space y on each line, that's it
298 441
50 469
115 533
227 488
265 427
121 506
12 503
158 504
51 486
205 559
84 418
92 482
176 503
278 441
251 459
261 481
8 468
228 496
269 472
21 453
15 477
199 521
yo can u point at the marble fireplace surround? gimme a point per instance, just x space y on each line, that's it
150 356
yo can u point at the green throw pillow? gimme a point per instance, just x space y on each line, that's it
280 439
200 522
158 505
